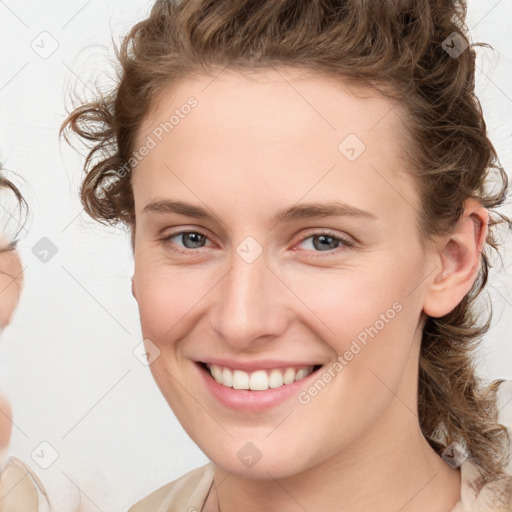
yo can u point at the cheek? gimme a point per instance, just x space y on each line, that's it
368 317
167 297
11 282
347 302
8 299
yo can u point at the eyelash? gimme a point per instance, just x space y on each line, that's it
346 244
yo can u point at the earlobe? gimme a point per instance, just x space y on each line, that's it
458 261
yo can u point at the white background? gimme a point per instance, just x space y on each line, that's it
66 363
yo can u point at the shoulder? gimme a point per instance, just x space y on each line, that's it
21 489
187 493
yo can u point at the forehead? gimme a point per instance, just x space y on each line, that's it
272 102
280 129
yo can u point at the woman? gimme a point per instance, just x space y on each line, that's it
306 187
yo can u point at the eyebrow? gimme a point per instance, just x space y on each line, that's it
297 212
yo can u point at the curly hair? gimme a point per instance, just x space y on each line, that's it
416 52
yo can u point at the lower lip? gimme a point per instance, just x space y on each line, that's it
252 401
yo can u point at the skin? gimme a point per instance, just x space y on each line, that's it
11 282
254 145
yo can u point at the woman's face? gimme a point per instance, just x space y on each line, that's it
251 288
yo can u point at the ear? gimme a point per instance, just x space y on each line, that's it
457 257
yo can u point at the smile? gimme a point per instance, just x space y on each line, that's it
259 380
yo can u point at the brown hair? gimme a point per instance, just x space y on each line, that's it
413 51
17 218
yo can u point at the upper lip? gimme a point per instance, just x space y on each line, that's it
264 364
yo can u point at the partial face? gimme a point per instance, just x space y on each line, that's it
225 280
11 279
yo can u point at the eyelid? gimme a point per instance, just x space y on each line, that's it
165 239
329 232
346 241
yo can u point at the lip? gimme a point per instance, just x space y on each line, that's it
264 364
254 401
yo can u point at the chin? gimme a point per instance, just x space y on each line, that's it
257 460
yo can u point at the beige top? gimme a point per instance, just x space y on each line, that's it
21 490
189 493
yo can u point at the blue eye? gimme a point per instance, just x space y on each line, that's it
192 240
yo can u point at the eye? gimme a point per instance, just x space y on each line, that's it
190 239
327 242
321 241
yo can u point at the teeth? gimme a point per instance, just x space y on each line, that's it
216 373
259 380
227 378
275 379
301 374
240 379
289 376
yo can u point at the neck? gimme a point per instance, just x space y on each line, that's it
390 467
400 475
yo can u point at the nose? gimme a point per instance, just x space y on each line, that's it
250 305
